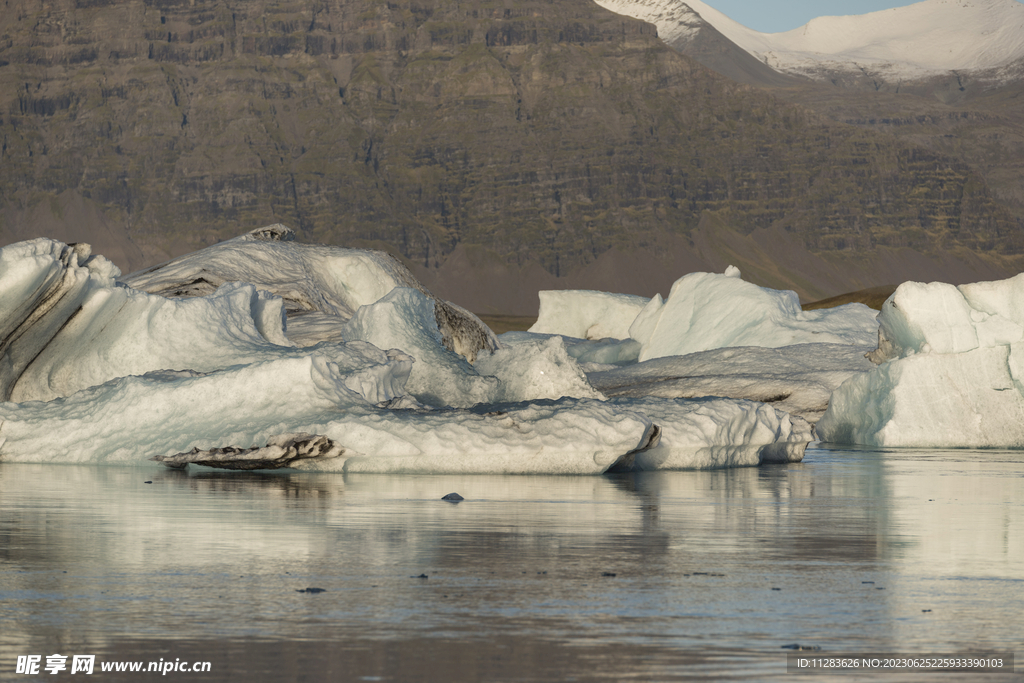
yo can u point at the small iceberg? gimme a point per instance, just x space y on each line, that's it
950 367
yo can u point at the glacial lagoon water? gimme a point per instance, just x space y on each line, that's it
655 576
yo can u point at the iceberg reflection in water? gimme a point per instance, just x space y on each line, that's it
207 566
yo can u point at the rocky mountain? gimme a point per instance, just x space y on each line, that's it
982 37
497 147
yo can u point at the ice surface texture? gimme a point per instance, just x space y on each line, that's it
703 311
717 432
201 370
795 379
949 373
586 314
321 284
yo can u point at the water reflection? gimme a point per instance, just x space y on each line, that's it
844 551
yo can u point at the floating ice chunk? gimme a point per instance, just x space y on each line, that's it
955 400
950 371
236 418
586 314
796 379
536 369
708 311
718 432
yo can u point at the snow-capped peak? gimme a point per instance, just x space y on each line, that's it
917 40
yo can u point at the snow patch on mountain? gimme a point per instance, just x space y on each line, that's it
915 41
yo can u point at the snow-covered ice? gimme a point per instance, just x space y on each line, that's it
950 371
709 311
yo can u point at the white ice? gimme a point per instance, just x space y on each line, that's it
540 368
607 351
718 432
950 371
132 418
586 314
322 286
405 319
309 277
795 379
709 311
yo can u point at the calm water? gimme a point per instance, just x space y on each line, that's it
656 576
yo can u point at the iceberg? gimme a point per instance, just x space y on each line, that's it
706 311
203 369
949 371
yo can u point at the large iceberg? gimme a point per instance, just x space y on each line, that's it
950 371
202 369
706 311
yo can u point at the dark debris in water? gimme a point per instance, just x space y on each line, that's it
310 590
421 576
802 648
453 498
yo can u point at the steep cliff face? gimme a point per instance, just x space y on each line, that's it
543 133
